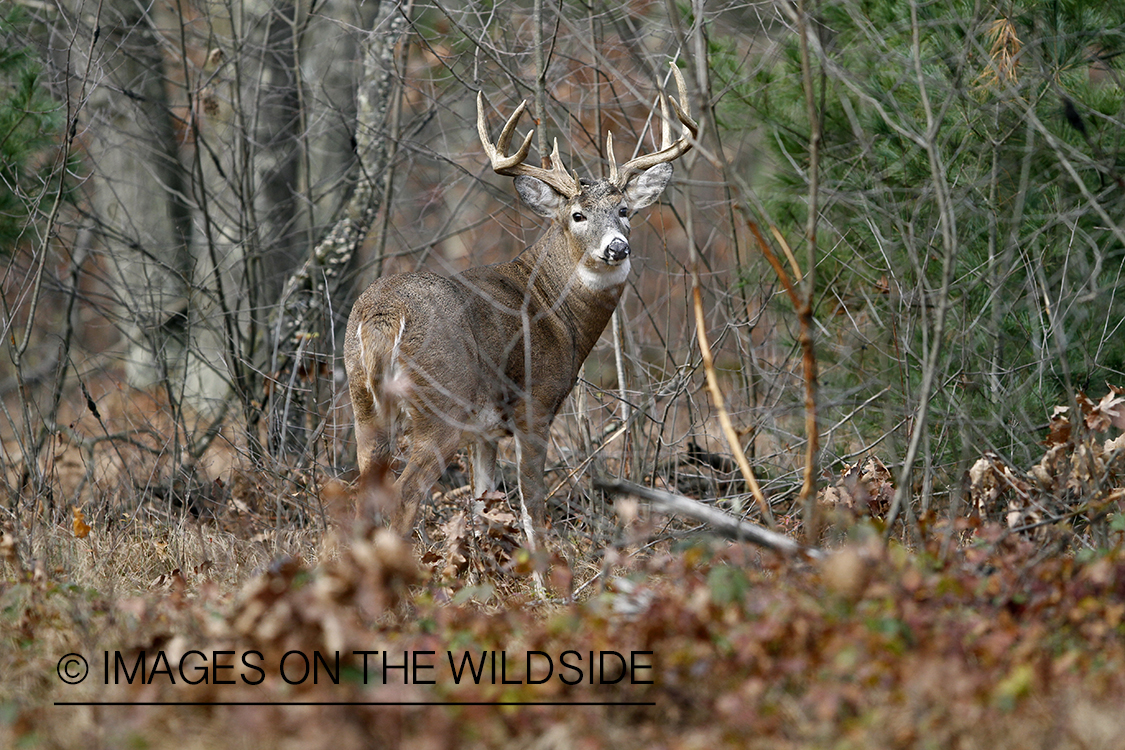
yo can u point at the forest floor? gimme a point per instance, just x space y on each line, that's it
980 630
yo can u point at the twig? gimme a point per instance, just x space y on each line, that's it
808 358
720 406
722 522
948 225
394 136
804 311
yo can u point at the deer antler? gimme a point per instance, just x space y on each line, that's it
669 151
513 166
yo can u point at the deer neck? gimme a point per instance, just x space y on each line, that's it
559 285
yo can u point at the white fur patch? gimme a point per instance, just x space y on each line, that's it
363 363
398 342
397 383
604 276
483 472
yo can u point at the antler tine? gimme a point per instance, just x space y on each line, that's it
513 166
496 154
669 150
612 158
666 132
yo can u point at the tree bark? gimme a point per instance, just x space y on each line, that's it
303 305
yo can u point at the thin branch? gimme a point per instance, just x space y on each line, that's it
720 406
805 310
722 522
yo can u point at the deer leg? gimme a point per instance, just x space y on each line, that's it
531 455
482 454
483 470
374 437
430 452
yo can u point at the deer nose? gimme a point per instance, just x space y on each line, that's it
616 251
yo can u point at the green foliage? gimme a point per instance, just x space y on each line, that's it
1015 111
30 123
728 585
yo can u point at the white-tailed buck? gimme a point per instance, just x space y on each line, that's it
495 350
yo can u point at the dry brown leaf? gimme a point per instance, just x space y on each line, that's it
991 481
1055 463
456 547
865 488
846 573
81 528
1109 412
1058 433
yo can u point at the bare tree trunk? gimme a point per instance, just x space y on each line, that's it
303 306
204 191
132 141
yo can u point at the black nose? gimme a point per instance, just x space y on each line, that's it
617 251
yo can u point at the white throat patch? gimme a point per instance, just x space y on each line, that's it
604 276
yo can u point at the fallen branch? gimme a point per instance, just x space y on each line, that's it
720 521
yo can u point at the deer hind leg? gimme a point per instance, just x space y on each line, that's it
432 446
375 448
373 438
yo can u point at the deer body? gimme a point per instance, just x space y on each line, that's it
495 350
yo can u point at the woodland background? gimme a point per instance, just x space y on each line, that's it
893 262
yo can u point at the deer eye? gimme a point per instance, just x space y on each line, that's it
578 216
623 212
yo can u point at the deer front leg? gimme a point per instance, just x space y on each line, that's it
531 455
482 455
482 472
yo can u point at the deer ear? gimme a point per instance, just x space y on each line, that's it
539 196
646 187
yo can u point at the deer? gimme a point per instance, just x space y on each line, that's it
493 351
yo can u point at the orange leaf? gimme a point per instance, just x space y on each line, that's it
81 528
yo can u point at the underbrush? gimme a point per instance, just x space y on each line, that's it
264 610
977 636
